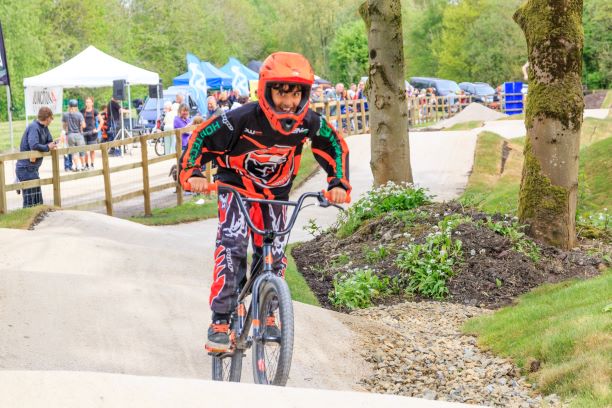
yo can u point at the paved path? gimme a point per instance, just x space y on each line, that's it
89 293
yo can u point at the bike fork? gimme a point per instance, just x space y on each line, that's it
267 272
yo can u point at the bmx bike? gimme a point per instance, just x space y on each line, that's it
261 296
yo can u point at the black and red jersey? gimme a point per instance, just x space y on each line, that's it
251 155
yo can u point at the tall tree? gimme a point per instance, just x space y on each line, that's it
547 200
390 160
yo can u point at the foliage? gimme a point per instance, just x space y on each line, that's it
515 234
357 289
383 199
424 25
426 267
377 254
567 329
348 54
597 53
480 42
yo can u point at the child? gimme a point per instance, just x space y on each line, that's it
257 149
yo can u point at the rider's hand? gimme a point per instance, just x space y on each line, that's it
198 184
337 195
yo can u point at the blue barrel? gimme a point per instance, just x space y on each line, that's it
513 97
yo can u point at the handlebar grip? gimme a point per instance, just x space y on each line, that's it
212 187
327 195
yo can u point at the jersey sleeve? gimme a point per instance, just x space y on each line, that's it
212 138
331 152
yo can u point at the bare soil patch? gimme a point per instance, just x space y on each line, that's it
492 273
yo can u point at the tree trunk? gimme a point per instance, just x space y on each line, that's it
555 104
386 92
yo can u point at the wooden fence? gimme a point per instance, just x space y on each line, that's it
350 116
57 178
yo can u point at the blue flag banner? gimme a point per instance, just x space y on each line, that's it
4 75
197 82
240 82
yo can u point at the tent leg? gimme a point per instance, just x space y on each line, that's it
130 106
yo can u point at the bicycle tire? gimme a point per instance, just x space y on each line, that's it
228 367
272 359
160 148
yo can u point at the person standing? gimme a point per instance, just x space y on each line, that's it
115 115
36 137
73 123
181 121
90 133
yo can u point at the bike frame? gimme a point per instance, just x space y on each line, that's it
240 317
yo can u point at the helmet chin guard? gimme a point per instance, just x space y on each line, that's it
290 68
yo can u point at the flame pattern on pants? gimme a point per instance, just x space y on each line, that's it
233 234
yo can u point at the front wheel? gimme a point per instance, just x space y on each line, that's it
160 148
272 353
227 367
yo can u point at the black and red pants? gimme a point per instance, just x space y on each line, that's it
233 234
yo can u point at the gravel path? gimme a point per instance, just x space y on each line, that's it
418 350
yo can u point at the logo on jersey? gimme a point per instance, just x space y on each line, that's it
271 167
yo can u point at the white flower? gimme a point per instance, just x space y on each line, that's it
472 252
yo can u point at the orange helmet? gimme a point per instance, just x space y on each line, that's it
285 67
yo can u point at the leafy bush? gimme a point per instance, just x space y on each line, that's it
426 267
376 255
514 232
384 199
357 290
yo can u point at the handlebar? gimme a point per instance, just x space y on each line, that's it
322 197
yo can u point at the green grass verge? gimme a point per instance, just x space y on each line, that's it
568 328
607 102
190 211
300 291
466 125
22 218
520 116
494 191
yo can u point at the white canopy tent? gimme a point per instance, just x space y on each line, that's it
92 69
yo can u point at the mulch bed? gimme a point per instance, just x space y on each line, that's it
491 275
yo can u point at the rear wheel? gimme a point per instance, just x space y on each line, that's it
272 355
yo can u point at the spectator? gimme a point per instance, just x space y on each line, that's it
115 115
90 133
178 101
36 137
73 123
352 92
213 109
167 123
241 100
224 102
181 121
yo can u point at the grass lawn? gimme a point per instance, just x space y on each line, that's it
566 327
190 211
18 129
466 125
300 291
22 218
496 191
607 102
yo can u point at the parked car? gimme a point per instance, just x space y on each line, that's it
149 112
444 87
480 91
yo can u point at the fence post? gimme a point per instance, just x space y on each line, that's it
145 175
55 168
108 194
327 110
3 207
363 117
179 151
